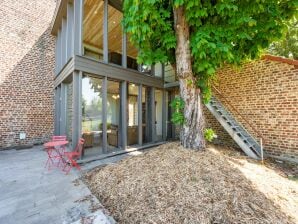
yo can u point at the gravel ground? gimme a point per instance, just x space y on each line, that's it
170 184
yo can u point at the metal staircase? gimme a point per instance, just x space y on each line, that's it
240 135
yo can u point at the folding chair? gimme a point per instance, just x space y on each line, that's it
72 157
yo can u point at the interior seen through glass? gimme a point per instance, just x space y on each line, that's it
132 108
113 115
92 115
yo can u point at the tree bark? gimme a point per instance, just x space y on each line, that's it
191 135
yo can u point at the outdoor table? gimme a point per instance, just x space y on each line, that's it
56 145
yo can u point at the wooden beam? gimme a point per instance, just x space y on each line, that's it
115 72
140 119
104 89
63 108
105 33
164 115
59 13
70 31
57 110
64 42
123 109
153 114
76 107
78 27
124 49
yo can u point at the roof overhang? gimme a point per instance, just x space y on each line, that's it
61 12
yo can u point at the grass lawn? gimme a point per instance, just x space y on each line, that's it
170 184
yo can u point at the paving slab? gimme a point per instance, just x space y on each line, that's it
31 194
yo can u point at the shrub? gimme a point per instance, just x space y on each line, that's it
209 134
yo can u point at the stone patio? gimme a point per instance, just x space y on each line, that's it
31 194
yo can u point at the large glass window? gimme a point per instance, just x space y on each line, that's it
158 114
132 129
115 35
113 115
93 28
132 54
92 115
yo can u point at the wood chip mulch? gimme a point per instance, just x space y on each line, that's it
170 184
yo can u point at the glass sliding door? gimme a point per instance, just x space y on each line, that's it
132 113
113 116
92 115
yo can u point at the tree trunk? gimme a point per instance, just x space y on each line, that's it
191 135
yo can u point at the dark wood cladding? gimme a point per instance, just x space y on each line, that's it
115 72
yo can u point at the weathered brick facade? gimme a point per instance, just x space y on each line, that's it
266 93
26 72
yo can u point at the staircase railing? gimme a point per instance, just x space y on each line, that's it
259 135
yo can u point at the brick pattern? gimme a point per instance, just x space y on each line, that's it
223 138
266 93
26 80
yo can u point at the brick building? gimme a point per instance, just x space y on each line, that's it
264 91
26 72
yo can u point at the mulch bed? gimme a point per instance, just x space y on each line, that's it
170 184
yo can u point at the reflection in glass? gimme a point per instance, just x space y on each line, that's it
92 115
132 129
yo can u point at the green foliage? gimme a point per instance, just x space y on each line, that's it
288 45
209 134
229 31
178 107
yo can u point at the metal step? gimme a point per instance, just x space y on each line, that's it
241 136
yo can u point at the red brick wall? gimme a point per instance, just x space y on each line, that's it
26 72
266 93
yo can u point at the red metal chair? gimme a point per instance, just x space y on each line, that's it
72 157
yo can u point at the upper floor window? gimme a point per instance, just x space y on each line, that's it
114 35
94 47
93 29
